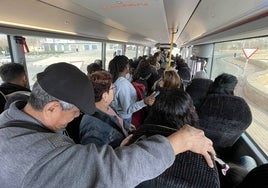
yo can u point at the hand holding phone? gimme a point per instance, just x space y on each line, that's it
156 93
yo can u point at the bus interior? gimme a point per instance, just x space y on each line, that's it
230 36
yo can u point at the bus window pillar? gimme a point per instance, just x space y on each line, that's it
103 55
18 47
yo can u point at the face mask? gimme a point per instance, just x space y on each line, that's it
128 76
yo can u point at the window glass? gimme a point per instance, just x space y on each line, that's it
45 51
112 49
4 51
147 51
140 51
131 51
252 77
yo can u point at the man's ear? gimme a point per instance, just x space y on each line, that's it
51 109
24 80
51 114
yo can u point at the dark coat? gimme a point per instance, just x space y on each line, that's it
8 88
188 170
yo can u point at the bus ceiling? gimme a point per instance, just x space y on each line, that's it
145 23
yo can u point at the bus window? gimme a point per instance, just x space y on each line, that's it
147 51
4 51
252 81
44 51
140 51
112 49
131 51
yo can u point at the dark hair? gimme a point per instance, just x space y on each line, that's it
143 70
11 71
172 108
118 65
93 67
257 177
223 84
99 62
156 54
101 80
234 175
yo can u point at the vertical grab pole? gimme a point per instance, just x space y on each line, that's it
171 47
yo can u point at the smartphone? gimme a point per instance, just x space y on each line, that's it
156 93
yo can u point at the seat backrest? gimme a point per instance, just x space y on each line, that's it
197 89
184 170
224 118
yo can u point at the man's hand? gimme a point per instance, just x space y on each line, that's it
190 138
126 140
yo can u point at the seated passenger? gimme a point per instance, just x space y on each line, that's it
231 176
169 79
198 89
257 177
223 84
202 72
223 116
104 126
14 78
125 97
172 109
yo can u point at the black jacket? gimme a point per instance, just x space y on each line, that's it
8 88
188 170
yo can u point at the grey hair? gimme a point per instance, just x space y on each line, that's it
39 98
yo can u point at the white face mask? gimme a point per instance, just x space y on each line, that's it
128 76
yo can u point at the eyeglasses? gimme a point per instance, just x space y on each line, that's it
113 87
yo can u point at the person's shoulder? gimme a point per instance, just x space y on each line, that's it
90 120
122 82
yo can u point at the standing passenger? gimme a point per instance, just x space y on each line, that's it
33 154
125 98
14 77
104 126
172 109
